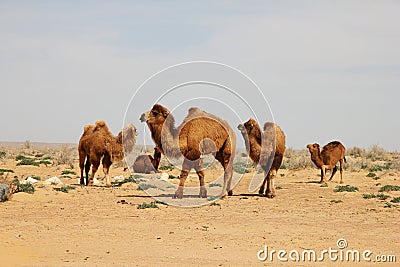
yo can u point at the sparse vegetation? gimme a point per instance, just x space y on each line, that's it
336 201
240 167
369 196
371 174
27 188
130 179
390 205
382 196
387 188
64 189
2 154
2 171
215 185
346 188
146 186
68 172
215 204
395 200
151 205
168 167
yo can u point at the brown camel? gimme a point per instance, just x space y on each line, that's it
200 133
97 142
328 158
260 146
147 163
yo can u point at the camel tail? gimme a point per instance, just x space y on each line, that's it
345 161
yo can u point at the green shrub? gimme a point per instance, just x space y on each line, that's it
151 205
336 201
369 196
28 161
130 179
64 189
346 188
2 154
67 172
395 200
387 188
382 196
168 167
375 168
215 185
2 171
27 188
371 174
240 167
146 186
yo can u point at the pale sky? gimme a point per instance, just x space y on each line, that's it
330 70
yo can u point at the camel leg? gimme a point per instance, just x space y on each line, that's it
228 172
95 166
341 171
323 174
200 173
186 166
270 193
87 168
82 157
261 192
334 170
106 168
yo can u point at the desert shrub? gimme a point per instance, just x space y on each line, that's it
395 200
390 205
387 188
146 186
382 196
168 167
376 153
356 152
27 188
243 155
376 168
66 156
371 174
67 172
215 185
27 144
172 176
64 189
336 201
2 154
346 188
240 167
28 161
369 196
130 179
151 205
2 171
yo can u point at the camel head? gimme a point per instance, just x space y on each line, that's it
313 148
251 128
124 143
157 115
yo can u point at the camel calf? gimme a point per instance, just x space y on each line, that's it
328 158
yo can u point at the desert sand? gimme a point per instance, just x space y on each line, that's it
100 226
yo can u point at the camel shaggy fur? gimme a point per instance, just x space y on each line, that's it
266 149
200 133
98 143
147 163
328 158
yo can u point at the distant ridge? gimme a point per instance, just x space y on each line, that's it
7 144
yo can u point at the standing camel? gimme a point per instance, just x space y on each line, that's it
328 158
264 147
200 133
98 143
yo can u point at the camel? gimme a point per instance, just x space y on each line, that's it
147 163
200 133
260 146
328 158
97 142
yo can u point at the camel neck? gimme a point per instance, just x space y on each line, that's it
317 159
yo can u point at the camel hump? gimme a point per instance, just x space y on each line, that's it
87 129
332 145
269 125
100 123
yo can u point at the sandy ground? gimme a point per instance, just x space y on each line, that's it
101 226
